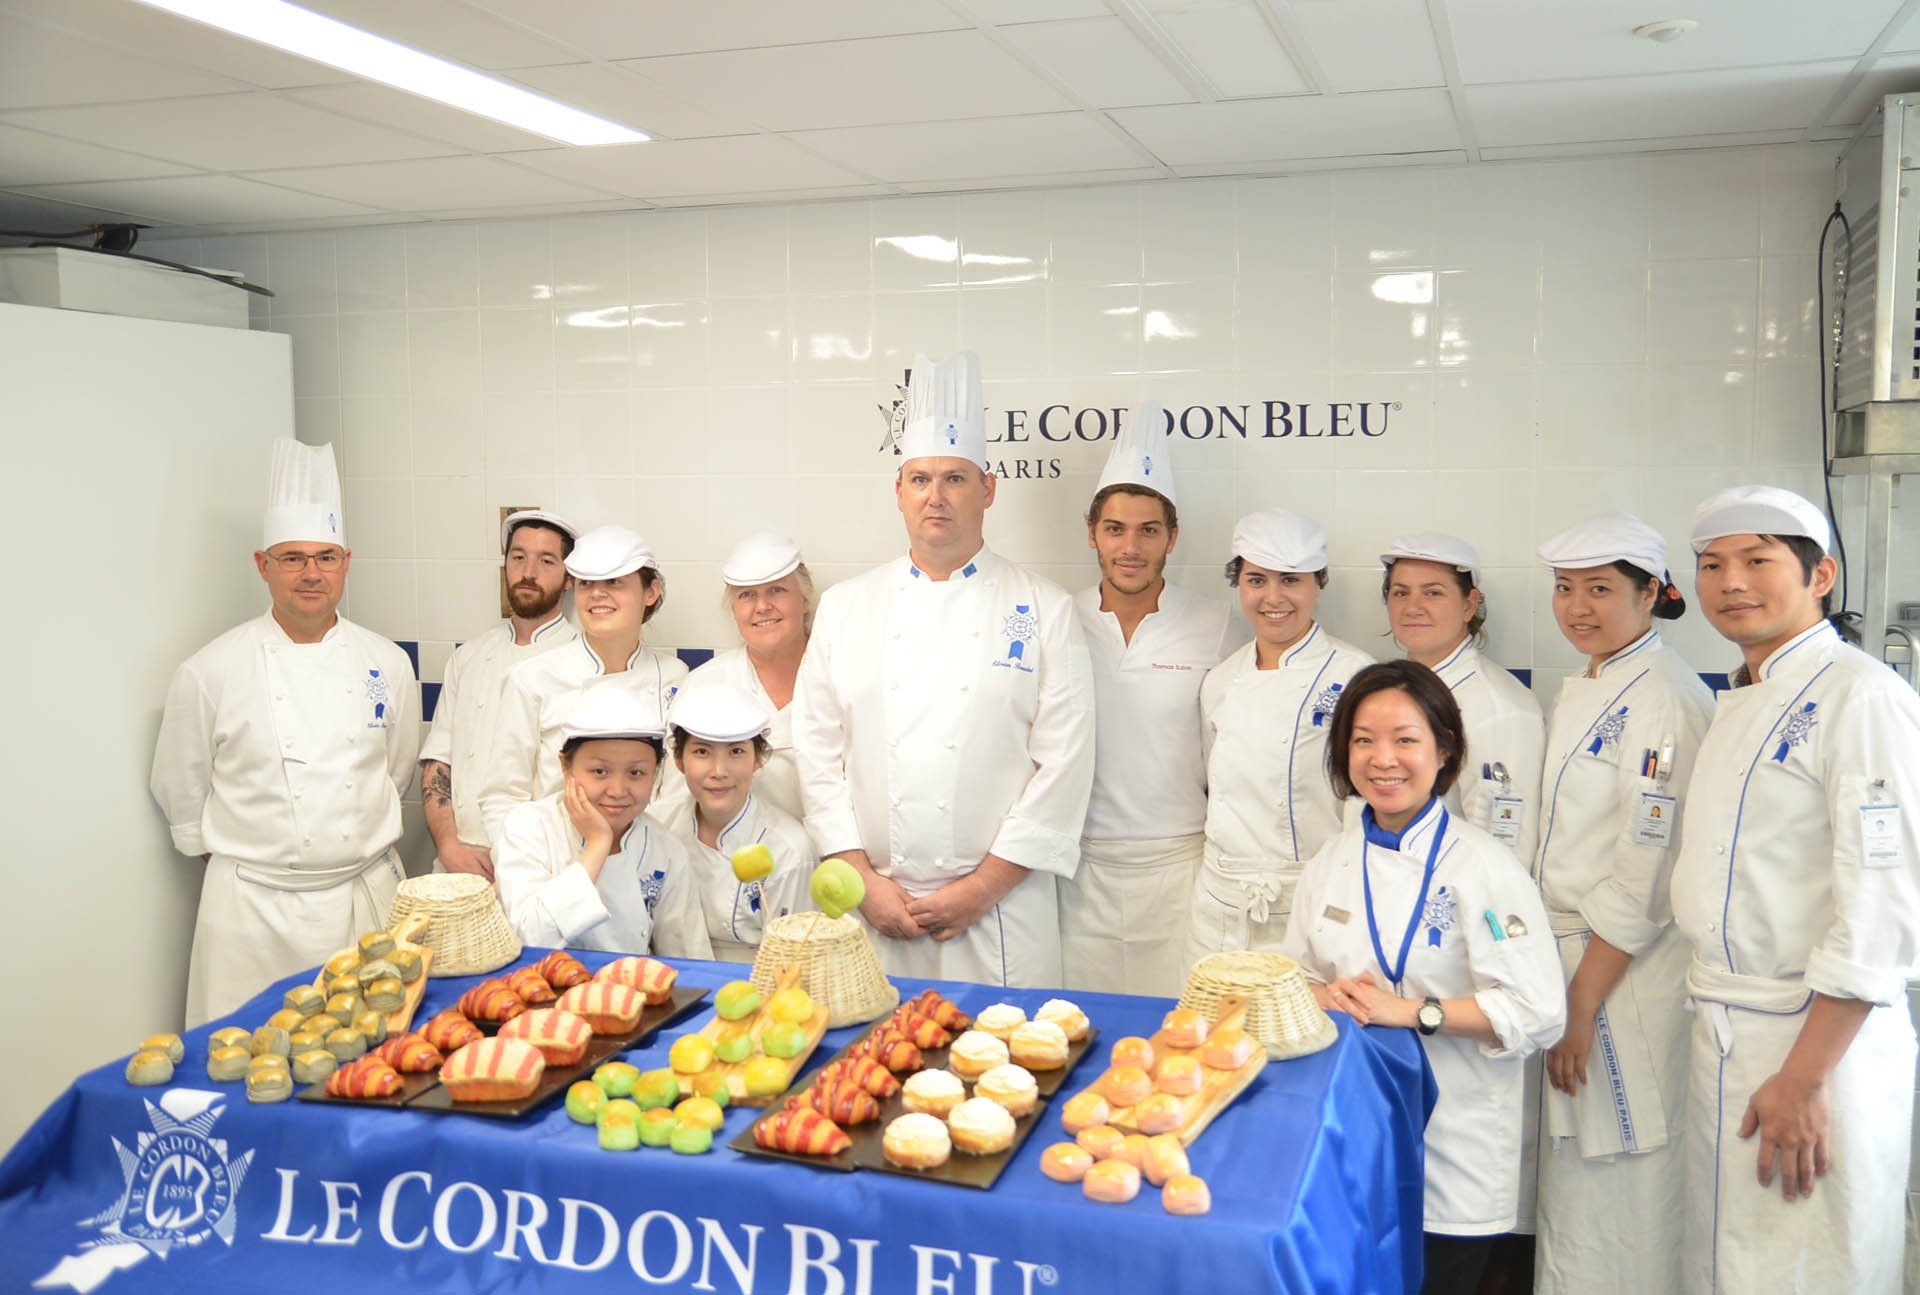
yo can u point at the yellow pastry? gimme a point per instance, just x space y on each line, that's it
231 1037
148 1067
171 1044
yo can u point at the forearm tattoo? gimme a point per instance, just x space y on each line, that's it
436 784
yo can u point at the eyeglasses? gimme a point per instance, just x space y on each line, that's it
292 562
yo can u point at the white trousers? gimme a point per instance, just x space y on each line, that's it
1123 917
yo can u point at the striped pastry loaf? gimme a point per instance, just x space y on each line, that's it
606 1007
651 978
493 1070
560 1035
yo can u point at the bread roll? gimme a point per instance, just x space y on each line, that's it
1165 1158
287 1019
269 1038
1133 1051
346 1043
323 1024
171 1044
1125 1085
148 1067
231 1037
1186 1194
379 969
304 999
1184 1028
1132 1149
375 945
493 1070
407 965
344 1007
313 1065
266 1061
1101 1141
1085 1111
342 963
1228 1049
372 1026
272 1084
1114 1181
1159 1113
386 994
349 983
227 1064
1066 1162
1179 1075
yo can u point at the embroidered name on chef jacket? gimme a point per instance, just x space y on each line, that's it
1018 631
377 695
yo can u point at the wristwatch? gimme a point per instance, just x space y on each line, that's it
1430 1017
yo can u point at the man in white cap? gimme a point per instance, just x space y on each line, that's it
944 720
283 751
1123 916
1796 888
453 760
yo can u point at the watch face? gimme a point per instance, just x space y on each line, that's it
1431 1017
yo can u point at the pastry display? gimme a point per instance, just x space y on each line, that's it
371 1026
933 1092
1125 1085
1186 1194
325 1024
490 1000
690 1139
410 1054
345 1043
864 1071
894 1050
584 1100
944 1011
561 1036
345 1007
1011 1086
1179 1075
1085 1111
375 945
379 969
313 1065
386 994
1039 1045
784 1039
792 1004
171 1044
806 1132
1165 1158
974 1053
1067 1015
1132 1149
493 1070
562 970
530 985
733 1043
924 1031
980 1127
655 1089
1102 1140
407 965
1114 1181
703 1111
1066 1162
845 1103
764 1076
691 1053
652 979
617 1078
231 1037
305 1041
917 1141
227 1064
450 1031
1159 1113
287 1019
1000 1020
618 1125
1133 1051
1228 1049
343 963
365 1078
736 1000
304 999
269 1084
1185 1028
606 1006
149 1066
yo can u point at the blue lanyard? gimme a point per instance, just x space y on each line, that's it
1398 971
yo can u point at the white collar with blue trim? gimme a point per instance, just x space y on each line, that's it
1788 656
1408 838
967 572
1650 639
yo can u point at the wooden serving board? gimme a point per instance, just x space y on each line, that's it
1218 1088
815 1026
411 928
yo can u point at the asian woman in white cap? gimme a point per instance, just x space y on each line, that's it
586 866
1620 749
1437 611
617 589
770 595
720 747
1263 722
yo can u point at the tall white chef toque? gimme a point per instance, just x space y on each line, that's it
946 414
303 496
608 552
523 515
758 559
1433 546
614 713
720 712
1143 454
1759 510
1280 541
1604 540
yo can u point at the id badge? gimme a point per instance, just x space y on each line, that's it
1653 819
1504 825
1880 837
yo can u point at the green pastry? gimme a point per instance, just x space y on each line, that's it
407 964
231 1037
269 1085
269 1038
347 1044
304 999
227 1064
386 994
375 945
314 1065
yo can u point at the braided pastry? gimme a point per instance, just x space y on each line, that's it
922 1031
864 1071
450 1031
367 1077
945 1012
891 1049
530 985
491 1000
562 970
842 1101
803 1132
411 1054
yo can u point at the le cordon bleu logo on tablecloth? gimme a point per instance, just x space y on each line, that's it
1020 440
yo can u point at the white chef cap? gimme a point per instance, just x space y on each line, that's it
946 415
610 711
607 552
1281 541
1601 541
535 515
758 559
1143 454
303 496
1432 546
1759 510
720 712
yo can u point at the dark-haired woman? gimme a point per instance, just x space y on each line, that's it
1437 610
1620 749
1416 920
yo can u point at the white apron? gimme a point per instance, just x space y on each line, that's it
1123 917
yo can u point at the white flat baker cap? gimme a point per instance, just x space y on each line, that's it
720 712
1604 540
1759 510
1433 546
760 558
613 712
608 552
1281 541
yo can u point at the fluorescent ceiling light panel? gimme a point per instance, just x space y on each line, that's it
326 40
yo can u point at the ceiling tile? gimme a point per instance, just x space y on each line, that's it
1234 47
435 184
620 92
40 66
1063 179
1100 61
46 215
775 195
247 132
1004 13
1893 75
450 29
615 29
1524 40
135 30
668 168
1370 44
1302 127
1654 108
28 157
370 102
986 146
199 199
859 83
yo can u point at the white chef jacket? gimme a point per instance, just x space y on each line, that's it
937 721
736 911
646 901
1611 1189
285 762
1473 1136
778 781
535 701
1504 726
467 715
1796 875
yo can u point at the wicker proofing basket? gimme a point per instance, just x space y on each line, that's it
837 962
469 933
1281 1012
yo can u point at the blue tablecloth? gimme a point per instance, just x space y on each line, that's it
1315 1175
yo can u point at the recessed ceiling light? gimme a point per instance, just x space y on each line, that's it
1666 30
326 40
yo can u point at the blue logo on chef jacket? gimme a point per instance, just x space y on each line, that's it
753 896
1323 704
1439 915
1607 730
650 884
377 694
1019 629
1795 730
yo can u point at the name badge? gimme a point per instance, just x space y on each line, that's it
1339 915
1881 843
1653 819
1504 825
